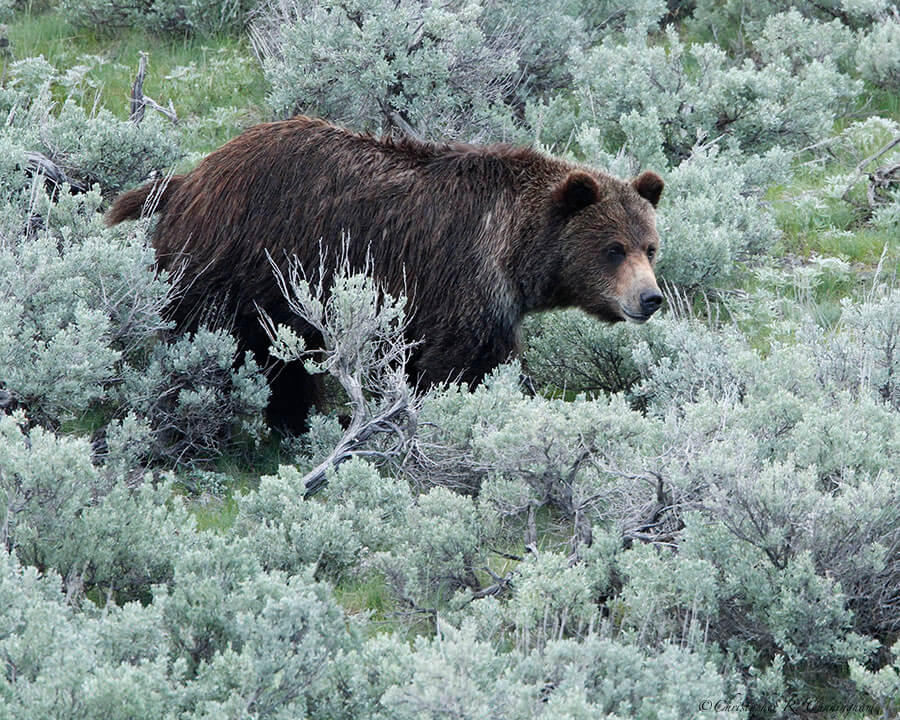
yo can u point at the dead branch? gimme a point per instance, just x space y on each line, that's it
500 585
361 430
40 164
879 179
139 101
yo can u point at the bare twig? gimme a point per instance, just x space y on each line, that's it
877 179
139 101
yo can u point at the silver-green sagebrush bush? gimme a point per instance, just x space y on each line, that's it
736 24
360 513
78 302
883 686
420 68
657 367
443 543
83 312
460 673
46 484
92 147
465 71
779 463
194 397
62 512
877 56
697 90
224 636
83 307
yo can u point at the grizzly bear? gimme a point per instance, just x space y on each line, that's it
476 236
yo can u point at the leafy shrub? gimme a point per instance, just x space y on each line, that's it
467 71
689 362
574 352
862 356
423 69
883 686
441 547
524 454
848 160
877 56
46 484
460 670
714 220
193 396
91 147
600 672
63 513
659 366
682 94
99 148
747 574
265 643
736 23
77 302
553 598
83 306
359 512
790 35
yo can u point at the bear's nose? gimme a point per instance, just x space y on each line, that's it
650 301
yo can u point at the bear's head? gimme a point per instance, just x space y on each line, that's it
609 243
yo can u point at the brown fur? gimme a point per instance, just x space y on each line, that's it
477 236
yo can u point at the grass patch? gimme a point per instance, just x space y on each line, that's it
814 224
212 513
213 493
87 423
248 467
215 84
368 594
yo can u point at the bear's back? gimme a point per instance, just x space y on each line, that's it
299 187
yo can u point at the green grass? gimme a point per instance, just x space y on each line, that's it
871 101
214 513
87 423
215 84
368 594
831 228
834 231
262 459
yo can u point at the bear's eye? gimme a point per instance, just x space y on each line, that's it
615 253
651 253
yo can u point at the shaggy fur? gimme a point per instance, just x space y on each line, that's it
476 236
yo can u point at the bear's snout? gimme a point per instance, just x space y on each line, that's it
650 301
637 294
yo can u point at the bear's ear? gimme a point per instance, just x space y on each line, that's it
649 186
576 192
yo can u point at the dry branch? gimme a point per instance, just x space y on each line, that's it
40 164
139 101
880 179
390 420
